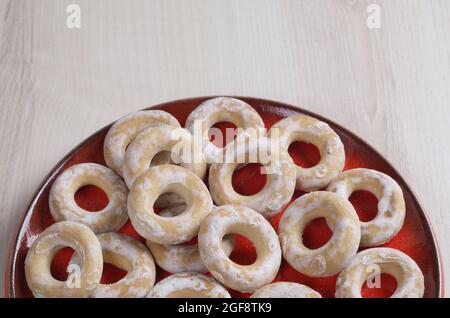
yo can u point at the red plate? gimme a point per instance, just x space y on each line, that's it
415 239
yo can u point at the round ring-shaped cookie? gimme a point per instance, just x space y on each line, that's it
159 180
130 255
62 197
82 279
123 131
338 252
377 261
221 109
391 204
155 140
276 164
235 219
310 130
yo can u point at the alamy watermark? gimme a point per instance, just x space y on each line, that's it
73 20
373 16
73 276
240 146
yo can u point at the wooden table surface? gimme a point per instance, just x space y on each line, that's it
389 85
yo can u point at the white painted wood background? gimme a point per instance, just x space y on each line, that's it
391 86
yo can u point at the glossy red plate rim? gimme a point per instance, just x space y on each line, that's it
10 266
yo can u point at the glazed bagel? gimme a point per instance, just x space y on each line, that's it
159 180
391 204
279 168
155 140
234 219
221 109
188 285
41 253
338 252
410 281
123 131
62 202
310 130
130 255
285 290
183 258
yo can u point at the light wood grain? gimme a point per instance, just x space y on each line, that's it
391 86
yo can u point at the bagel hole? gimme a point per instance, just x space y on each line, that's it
60 262
222 133
162 158
192 241
248 180
111 274
91 198
365 204
169 204
244 252
305 155
383 288
316 233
